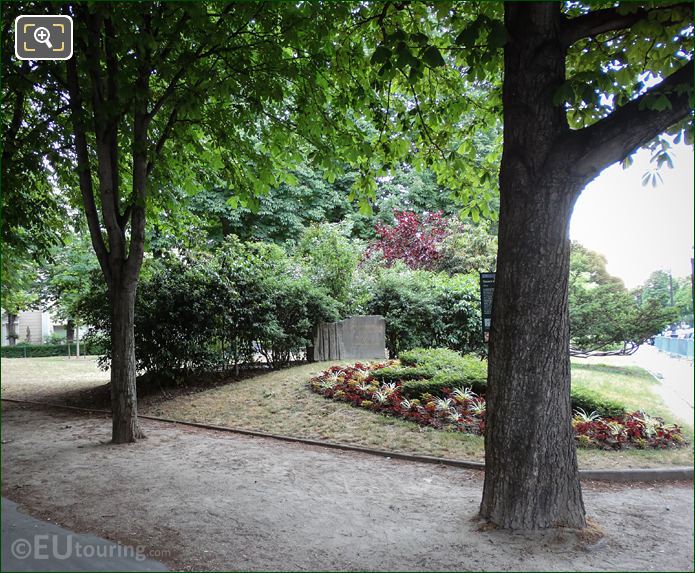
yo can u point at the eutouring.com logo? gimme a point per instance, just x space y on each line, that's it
61 547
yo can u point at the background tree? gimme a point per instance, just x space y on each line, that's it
414 239
604 316
66 281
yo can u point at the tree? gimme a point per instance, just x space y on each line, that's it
582 87
329 259
658 287
605 318
531 478
468 248
17 290
413 239
160 93
66 281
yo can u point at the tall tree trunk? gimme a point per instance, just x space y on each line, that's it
531 478
123 371
11 329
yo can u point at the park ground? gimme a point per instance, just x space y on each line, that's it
206 500
281 402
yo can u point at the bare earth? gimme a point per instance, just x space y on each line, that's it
222 501
280 402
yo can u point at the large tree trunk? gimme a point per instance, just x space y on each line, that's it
123 371
531 478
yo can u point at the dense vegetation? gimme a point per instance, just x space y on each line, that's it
250 300
460 405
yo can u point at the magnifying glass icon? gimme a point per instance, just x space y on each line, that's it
43 36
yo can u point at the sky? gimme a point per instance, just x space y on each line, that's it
639 229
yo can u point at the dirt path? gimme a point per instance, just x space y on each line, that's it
280 402
220 501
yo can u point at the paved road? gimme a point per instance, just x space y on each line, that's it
676 377
29 544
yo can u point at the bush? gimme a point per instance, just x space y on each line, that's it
590 401
445 360
437 385
43 350
423 308
431 370
201 312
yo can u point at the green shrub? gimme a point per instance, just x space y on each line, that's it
445 360
429 370
591 401
425 308
200 311
396 373
434 386
44 350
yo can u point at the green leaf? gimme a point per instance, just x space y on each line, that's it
662 103
419 38
497 36
433 57
468 35
380 55
563 94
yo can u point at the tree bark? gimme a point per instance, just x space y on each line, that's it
123 370
11 329
531 477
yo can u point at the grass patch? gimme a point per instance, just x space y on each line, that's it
281 402
632 386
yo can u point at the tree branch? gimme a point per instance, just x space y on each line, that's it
83 168
141 122
104 126
613 138
608 20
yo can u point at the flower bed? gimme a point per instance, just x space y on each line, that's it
461 409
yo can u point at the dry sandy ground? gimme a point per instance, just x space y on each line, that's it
280 402
222 501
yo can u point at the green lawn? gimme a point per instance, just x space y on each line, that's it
281 402
630 385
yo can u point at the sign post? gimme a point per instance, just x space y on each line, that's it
487 290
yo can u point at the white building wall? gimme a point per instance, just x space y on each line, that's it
41 324
33 321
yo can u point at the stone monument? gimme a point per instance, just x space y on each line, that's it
355 338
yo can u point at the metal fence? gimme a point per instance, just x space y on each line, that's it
679 346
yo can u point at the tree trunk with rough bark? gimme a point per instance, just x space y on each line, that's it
120 256
124 405
531 478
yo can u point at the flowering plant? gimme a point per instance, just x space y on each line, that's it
460 409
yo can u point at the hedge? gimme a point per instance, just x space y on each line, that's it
43 350
434 386
429 370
